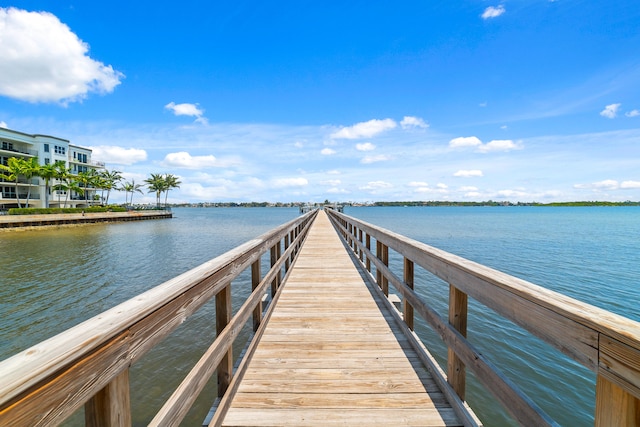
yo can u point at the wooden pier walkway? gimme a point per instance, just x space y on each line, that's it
332 354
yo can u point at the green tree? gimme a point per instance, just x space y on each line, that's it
63 175
110 181
30 168
130 187
12 172
87 179
156 184
48 172
171 182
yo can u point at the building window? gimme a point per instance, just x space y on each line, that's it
7 145
46 148
59 150
46 160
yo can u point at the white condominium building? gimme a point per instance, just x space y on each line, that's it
48 150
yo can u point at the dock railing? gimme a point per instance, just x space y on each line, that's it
88 365
606 343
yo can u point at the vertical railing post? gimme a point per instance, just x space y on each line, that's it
456 370
111 406
615 407
407 309
223 317
274 259
286 246
368 246
382 252
360 240
255 281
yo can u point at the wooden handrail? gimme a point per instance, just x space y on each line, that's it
604 342
88 364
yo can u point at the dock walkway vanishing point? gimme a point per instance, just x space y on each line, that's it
332 353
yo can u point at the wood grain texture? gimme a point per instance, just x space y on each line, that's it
329 356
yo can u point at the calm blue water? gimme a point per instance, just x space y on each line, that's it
54 279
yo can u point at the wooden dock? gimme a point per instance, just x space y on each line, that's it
58 220
332 353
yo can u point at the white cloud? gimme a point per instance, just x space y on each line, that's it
511 193
335 190
185 160
630 185
465 141
610 111
333 172
493 12
468 173
118 155
418 184
4 125
327 151
413 122
366 146
607 184
633 113
331 182
376 185
374 159
364 129
499 145
298 144
468 188
185 109
495 145
442 186
289 182
44 61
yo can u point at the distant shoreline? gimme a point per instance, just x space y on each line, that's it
489 203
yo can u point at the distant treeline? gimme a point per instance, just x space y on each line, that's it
494 203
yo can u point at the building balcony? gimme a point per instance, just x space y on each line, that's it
20 150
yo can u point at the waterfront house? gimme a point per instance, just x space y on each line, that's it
48 150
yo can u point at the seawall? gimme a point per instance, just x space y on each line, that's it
23 221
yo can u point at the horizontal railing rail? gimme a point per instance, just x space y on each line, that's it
89 363
604 342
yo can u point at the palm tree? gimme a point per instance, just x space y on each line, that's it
87 179
12 172
30 168
73 185
156 183
135 188
48 172
63 175
111 178
171 181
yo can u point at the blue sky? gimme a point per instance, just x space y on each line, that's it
360 101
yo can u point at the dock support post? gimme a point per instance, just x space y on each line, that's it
223 317
456 371
615 407
255 282
111 406
407 309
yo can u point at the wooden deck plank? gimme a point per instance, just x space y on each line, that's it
332 355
